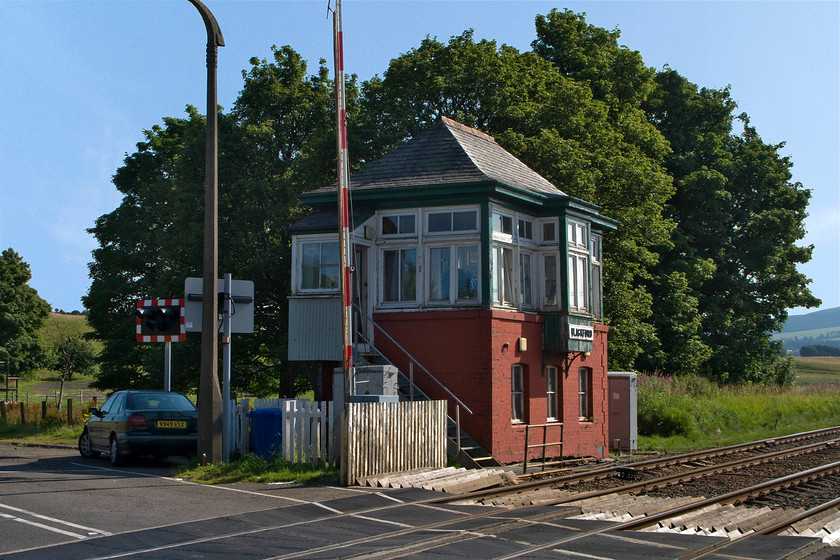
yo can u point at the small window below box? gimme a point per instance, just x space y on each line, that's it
320 265
517 394
552 394
585 394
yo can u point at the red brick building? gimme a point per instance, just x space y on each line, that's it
472 269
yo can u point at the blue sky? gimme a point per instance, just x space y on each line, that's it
81 80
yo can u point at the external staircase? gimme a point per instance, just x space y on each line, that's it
460 447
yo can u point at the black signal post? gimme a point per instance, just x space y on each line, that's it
209 395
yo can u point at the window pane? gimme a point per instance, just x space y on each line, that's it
408 275
463 221
548 232
507 276
329 277
550 280
467 273
391 279
389 225
440 221
329 254
319 269
585 393
596 291
311 254
507 224
578 285
551 393
526 229
439 274
525 279
309 279
407 223
516 393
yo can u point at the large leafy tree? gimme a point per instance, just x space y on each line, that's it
556 125
738 218
700 271
153 240
22 313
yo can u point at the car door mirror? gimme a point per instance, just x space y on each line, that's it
94 411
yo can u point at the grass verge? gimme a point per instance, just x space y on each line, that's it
33 434
680 414
251 468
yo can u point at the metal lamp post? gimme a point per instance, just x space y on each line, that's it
209 395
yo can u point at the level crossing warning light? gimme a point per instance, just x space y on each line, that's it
160 320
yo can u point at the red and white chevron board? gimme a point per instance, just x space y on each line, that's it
141 303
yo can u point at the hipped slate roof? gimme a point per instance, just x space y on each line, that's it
450 154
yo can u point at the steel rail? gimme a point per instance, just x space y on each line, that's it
673 512
769 530
652 464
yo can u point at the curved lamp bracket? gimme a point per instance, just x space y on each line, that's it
214 32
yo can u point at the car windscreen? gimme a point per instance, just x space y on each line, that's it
160 401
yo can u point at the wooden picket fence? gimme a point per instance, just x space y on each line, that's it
305 429
394 437
381 437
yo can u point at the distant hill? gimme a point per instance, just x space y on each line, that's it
822 319
819 327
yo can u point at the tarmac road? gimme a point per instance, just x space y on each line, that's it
52 496
54 505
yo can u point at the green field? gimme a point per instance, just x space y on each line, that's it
60 326
817 369
43 383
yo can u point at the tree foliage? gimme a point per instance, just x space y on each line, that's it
22 313
557 126
819 350
738 218
698 274
153 240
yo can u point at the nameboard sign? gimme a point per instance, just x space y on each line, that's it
581 332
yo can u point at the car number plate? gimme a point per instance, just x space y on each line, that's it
171 424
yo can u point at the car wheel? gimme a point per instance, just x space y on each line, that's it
116 453
85 449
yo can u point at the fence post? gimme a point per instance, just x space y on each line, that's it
43 410
411 381
245 408
22 414
70 412
3 411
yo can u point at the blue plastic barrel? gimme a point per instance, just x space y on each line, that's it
266 428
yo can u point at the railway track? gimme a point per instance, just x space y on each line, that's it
787 486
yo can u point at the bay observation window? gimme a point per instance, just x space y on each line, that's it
526 284
320 265
503 279
596 280
578 272
399 281
549 286
463 275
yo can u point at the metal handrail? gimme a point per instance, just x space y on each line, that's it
412 358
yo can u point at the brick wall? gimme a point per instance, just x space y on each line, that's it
471 353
